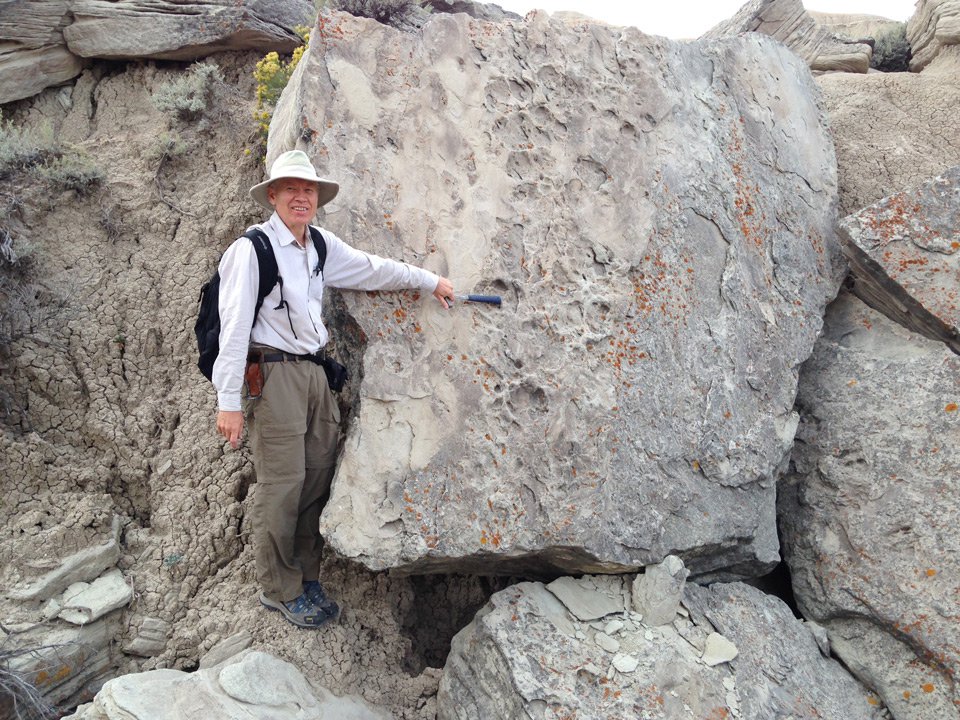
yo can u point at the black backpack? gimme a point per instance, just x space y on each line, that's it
207 327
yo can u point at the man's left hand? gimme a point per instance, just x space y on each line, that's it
444 292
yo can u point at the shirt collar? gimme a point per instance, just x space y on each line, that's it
281 231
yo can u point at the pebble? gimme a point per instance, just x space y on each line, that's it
718 650
613 627
606 642
625 663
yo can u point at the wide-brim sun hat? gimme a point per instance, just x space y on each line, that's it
295 164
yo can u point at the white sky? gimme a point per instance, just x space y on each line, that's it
690 18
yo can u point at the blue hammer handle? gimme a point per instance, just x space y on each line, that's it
489 299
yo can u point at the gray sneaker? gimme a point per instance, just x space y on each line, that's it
300 611
314 591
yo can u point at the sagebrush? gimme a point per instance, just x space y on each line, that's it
75 171
191 97
19 699
26 148
384 11
891 50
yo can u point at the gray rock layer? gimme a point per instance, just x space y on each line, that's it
791 24
44 43
904 253
33 53
526 655
935 24
182 30
656 216
870 512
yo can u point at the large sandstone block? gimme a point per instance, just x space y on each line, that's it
904 252
529 654
791 24
870 513
934 26
33 54
181 30
658 219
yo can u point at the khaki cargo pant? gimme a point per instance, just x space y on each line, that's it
294 427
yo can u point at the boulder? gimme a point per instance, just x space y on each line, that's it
33 53
652 236
892 130
181 30
791 24
527 655
904 253
870 509
935 24
254 684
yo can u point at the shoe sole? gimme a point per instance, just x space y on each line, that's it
289 616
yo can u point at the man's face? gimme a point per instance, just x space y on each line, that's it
294 200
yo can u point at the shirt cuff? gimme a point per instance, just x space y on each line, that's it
429 283
229 401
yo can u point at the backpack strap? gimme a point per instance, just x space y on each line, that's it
269 273
267 266
320 245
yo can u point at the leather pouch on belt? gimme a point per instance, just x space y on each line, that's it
253 377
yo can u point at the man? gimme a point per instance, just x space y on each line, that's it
294 423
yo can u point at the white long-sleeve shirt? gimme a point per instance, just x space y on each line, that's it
303 331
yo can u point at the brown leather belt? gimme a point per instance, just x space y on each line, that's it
316 358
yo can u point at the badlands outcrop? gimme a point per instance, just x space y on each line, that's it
659 218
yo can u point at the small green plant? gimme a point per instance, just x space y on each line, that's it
25 148
891 49
75 171
272 75
37 150
168 146
190 97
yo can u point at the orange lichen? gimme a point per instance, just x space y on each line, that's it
951 407
927 687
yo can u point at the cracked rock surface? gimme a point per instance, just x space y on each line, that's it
655 214
893 131
870 509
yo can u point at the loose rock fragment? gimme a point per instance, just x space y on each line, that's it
718 650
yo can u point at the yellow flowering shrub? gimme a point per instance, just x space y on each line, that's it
272 74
